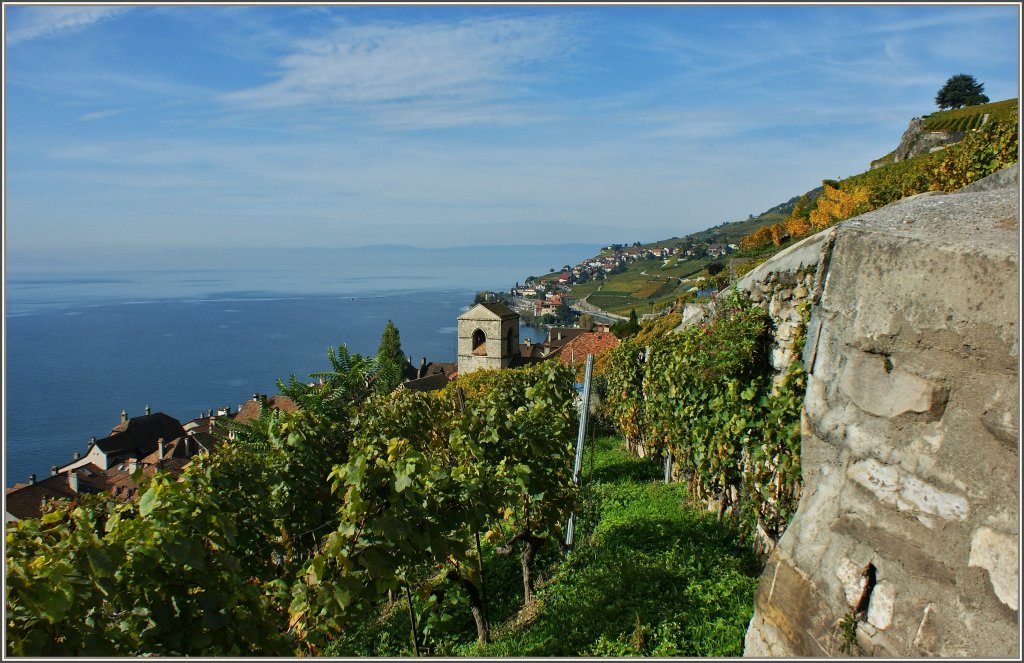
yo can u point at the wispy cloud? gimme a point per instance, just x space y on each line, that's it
100 115
432 74
30 23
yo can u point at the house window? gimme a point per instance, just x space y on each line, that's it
479 343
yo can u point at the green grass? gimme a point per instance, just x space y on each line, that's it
684 268
648 577
583 289
610 300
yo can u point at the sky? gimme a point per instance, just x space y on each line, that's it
135 128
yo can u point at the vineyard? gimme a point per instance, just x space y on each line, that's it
357 496
373 523
969 117
647 577
647 285
707 397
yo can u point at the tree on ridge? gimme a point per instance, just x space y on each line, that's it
960 90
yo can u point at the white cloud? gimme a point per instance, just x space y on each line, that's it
447 74
99 115
40 22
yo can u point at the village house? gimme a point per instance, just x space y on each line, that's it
548 305
429 376
152 442
132 438
26 500
717 249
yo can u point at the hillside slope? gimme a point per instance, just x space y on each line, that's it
940 152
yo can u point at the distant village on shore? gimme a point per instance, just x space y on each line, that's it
543 296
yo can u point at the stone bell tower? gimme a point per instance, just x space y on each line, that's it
488 337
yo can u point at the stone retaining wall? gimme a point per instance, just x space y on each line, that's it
906 539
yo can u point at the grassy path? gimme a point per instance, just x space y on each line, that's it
648 577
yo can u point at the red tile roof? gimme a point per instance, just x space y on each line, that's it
593 343
26 500
251 409
495 309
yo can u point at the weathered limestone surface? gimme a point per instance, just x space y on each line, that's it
908 519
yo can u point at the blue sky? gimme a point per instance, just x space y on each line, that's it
141 128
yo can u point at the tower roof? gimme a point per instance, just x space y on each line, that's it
489 310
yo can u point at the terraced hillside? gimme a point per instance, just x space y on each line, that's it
971 117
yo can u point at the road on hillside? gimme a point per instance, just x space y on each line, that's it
583 306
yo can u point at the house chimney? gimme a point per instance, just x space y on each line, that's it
32 478
255 397
422 373
92 441
124 416
160 447
76 456
147 411
73 481
53 470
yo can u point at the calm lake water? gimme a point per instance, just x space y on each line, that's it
80 347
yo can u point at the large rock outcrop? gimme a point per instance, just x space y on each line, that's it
916 141
906 539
